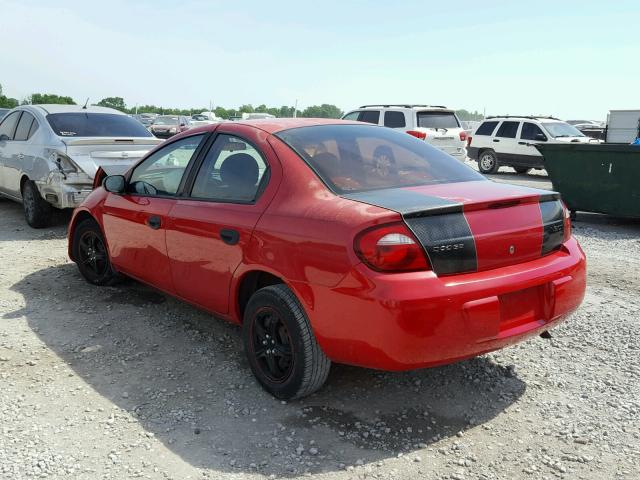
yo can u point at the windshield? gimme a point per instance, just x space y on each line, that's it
356 158
437 120
166 121
95 125
561 129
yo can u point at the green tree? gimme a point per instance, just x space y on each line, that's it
466 115
322 111
48 98
246 109
7 102
113 102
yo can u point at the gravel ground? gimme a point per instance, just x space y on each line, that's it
124 382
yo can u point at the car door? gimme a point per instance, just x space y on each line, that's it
23 159
8 149
210 228
504 141
528 155
135 222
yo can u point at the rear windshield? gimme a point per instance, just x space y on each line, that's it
357 158
95 125
437 120
166 121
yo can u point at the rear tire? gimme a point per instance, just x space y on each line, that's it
522 170
280 345
488 162
37 211
91 256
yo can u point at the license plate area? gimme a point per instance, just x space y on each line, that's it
522 307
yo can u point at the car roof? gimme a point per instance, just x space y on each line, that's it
274 125
523 117
59 108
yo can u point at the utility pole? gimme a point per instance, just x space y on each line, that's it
295 110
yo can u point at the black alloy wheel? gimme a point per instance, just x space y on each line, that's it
272 345
91 256
280 344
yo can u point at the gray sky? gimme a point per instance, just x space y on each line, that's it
574 59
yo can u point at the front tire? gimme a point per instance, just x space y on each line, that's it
37 211
91 256
280 345
488 162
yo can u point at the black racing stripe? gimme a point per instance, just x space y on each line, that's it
406 202
553 225
448 241
438 224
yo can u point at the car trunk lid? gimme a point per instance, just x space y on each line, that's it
476 226
90 153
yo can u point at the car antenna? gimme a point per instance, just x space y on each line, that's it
85 104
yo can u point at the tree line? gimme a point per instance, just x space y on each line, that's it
314 111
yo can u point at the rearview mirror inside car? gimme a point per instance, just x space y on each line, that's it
115 184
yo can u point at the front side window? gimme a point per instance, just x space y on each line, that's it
369 116
394 119
508 130
530 131
78 124
24 126
233 171
351 116
8 125
437 120
161 173
356 158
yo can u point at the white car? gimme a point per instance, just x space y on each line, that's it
436 125
49 154
509 141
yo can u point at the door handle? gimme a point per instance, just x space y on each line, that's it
154 222
522 143
20 156
496 140
229 236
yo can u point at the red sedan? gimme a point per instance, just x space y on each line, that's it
334 241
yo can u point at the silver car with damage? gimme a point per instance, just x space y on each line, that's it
49 154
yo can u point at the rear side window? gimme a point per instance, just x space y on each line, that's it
530 130
369 116
8 125
24 126
357 158
232 171
96 125
394 120
486 128
437 120
508 130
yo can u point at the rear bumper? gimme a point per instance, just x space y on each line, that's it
472 153
64 195
415 320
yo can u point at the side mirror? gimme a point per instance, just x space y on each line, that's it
541 137
115 184
4 138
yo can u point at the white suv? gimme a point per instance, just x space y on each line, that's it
436 125
509 141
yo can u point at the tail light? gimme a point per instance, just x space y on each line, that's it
390 248
469 137
463 136
415 133
567 223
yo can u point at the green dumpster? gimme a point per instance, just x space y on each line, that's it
603 178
